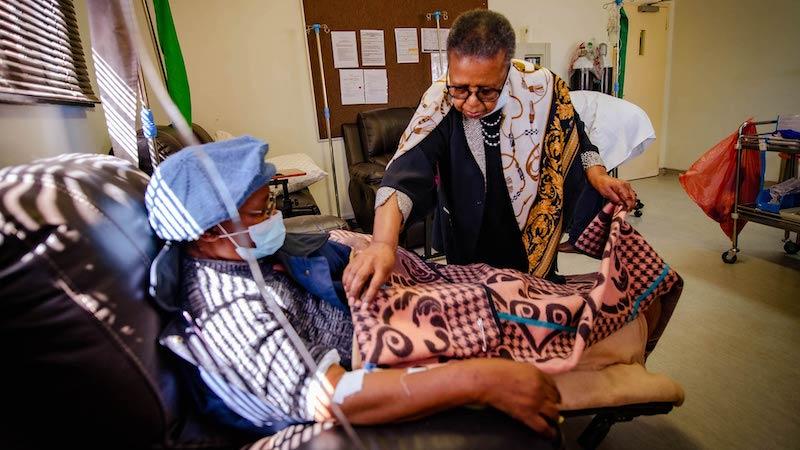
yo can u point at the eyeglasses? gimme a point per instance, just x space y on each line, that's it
483 93
269 207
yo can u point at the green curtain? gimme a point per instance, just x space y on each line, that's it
177 81
623 50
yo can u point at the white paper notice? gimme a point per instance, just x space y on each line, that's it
345 53
407 48
376 86
351 82
429 43
373 52
438 71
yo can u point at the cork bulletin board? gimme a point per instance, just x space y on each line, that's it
406 82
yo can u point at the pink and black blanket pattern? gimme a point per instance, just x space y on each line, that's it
432 313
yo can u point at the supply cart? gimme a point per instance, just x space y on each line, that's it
756 212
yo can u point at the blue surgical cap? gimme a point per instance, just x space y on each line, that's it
181 199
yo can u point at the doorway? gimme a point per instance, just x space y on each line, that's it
645 74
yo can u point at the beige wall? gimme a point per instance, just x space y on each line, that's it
731 59
248 70
563 23
249 74
28 132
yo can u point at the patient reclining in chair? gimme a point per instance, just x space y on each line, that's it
486 324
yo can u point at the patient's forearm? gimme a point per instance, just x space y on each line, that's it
395 394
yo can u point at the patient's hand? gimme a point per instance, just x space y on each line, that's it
521 391
368 270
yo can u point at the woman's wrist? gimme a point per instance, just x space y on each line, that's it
595 175
390 245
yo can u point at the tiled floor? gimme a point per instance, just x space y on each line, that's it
733 341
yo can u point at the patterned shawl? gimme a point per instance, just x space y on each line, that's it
538 142
431 313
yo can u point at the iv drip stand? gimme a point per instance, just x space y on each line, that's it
438 15
316 28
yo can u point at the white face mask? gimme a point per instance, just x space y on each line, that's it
268 236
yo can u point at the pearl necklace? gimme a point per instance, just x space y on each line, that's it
492 140
499 118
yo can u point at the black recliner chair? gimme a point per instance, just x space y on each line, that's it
370 144
82 366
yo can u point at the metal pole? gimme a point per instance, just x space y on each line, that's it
735 214
156 47
437 15
327 113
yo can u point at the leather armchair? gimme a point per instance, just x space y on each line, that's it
369 145
79 331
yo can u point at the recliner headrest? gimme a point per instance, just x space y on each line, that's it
82 363
380 129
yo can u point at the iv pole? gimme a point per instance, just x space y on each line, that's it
443 16
326 110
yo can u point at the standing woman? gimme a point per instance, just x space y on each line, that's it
513 162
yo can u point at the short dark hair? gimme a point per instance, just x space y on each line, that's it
482 33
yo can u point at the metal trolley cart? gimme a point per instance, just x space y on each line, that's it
750 211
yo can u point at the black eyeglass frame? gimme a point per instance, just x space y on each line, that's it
270 206
480 92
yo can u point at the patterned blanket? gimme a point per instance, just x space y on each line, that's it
432 313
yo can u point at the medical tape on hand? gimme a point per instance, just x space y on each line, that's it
350 383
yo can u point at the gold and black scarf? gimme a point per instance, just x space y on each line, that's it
538 143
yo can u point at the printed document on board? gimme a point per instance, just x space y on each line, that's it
373 52
376 86
345 53
406 43
351 83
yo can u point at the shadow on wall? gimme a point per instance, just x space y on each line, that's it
28 132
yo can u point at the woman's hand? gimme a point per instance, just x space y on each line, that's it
616 191
371 265
521 391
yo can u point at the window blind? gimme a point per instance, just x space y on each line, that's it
41 58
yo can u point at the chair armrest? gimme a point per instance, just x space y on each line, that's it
367 172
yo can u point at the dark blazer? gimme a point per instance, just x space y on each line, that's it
459 194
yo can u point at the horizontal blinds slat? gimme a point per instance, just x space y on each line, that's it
46 15
43 76
18 23
58 38
21 96
66 9
18 40
43 15
41 54
38 60
35 17
63 11
59 9
39 87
